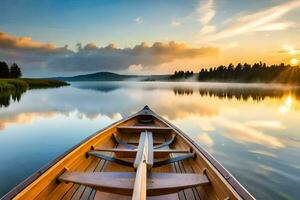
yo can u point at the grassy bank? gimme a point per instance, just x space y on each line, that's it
43 83
26 83
7 85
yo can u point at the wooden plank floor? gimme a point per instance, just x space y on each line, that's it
87 193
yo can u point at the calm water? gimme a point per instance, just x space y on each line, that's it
254 131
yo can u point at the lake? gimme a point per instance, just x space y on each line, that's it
252 130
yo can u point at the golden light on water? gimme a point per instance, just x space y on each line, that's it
287 105
294 61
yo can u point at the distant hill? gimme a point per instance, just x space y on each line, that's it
109 76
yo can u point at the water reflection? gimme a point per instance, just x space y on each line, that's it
7 97
256 94
253 130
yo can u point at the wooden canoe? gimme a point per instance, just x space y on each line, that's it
142 156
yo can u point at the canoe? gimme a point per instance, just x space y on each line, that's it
142 156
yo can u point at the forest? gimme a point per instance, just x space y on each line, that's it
258 73
243 73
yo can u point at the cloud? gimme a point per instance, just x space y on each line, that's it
265 20
135 68
92 58
35 56
276 26
138 20
206 12
207 29
31 55
289 49
175 23
27 45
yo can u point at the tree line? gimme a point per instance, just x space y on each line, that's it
245 73
258 72
14 71
181 75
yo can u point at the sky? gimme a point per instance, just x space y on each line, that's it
58 38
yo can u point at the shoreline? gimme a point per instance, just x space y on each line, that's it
23 84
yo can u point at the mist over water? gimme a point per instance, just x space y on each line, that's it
251 129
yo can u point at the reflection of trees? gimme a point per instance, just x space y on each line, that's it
257 94
242 94
183 91
6 97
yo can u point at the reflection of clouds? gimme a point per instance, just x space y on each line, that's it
206 139
268 170
24 118
29 117
269 124
242 133
264 169
264 153
291 142
206 126
182 110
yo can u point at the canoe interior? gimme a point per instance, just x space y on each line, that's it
46 185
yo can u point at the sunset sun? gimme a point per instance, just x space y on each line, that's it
294 61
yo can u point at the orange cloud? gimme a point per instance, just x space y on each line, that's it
9 42
93 58
90 58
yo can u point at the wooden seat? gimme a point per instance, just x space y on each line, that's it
139 129
142 183
123 182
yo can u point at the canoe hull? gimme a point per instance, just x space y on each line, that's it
44 185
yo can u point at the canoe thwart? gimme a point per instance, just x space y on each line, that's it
130 146
139 129
130 153
123 182
174 159
167 143
134 150
109 158
131 164
119 141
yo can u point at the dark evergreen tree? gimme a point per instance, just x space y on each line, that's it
15 71
258 72
4 70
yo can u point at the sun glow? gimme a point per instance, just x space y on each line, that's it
294 61
289 48
287 105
